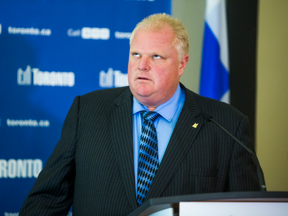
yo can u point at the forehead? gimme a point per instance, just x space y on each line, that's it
144 38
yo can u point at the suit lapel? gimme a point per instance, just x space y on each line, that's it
122 137
181 140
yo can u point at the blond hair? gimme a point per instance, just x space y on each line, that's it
157 22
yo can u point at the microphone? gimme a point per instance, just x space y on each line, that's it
260 175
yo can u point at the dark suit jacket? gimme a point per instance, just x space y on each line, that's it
92 165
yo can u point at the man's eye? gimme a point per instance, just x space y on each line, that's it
157 57
136 54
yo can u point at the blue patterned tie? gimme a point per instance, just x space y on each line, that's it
148 156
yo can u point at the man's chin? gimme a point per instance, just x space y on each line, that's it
144 94
142 91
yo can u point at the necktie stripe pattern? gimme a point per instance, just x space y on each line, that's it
148 156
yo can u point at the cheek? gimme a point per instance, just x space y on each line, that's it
129 66
130 77
167 78
130 69
161 78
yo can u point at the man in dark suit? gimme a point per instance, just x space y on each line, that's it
98 164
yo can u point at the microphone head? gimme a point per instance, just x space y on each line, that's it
206 116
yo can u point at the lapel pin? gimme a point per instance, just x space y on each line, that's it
195 125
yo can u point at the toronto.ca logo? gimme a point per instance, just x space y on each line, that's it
44 78
29 31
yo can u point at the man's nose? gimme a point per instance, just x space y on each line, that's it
144 64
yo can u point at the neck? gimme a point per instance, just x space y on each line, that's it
152 108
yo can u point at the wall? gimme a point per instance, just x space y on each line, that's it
191 14
272 89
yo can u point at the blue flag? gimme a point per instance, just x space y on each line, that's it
214 81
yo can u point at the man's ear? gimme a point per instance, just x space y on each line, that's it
183 64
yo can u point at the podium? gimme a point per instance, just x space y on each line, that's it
155 206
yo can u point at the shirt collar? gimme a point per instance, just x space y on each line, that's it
166 110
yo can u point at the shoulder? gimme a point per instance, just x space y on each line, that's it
105 93
105 97
101 100
99 103
220 111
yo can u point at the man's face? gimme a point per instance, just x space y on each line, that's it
154 69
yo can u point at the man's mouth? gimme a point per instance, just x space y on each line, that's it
143 78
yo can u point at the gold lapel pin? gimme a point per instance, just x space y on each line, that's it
195 125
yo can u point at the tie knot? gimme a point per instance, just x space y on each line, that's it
149 116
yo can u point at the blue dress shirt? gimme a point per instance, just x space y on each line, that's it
164 124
